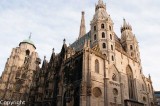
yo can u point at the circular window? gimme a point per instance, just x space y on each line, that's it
97 92
115 91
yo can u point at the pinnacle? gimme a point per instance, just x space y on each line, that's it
100 1
124 22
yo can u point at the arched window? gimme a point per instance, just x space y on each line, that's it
103 35
149 88
112 58
104 45
95 28
96 66
130 83
27 52
110 28
144 99
142 87
95 37
114 78
102 26
111 47
131 47
111 36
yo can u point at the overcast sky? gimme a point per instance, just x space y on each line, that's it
50 21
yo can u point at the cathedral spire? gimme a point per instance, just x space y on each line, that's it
82 31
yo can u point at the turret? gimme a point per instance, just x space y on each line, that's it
129 41
102 31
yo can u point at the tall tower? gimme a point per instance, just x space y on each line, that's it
129 41
18 70
102 31
82 31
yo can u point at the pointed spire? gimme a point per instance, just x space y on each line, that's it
82 31
64 41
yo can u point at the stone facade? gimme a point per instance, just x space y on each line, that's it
98 69
19 69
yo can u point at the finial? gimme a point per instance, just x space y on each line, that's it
83 12
64 41
124 20
30 35
149 76
53 50
44 57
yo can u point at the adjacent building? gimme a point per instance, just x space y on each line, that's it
157 98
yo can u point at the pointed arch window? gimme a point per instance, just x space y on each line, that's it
111 47
27 52
110 28
102 26
103 35
104 45
149 88
130 83
112 58
131 47
96 66
111 36
95 37
95 28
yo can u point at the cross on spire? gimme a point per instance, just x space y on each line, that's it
30 35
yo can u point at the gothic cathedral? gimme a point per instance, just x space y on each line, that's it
98 69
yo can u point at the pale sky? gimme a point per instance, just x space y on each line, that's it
50 21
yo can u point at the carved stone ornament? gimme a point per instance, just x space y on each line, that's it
97 92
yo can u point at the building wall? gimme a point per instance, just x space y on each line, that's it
142 94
